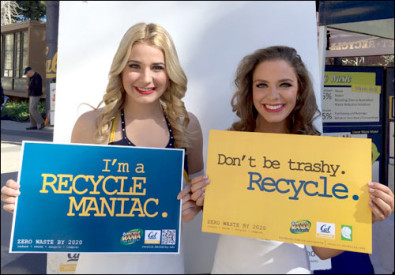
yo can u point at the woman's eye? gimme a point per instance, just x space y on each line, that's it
261 85
134 66
286 85
157 68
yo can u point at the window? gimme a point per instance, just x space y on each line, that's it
17 54
24 53
9 55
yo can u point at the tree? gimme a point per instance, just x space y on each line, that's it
31 10
9 10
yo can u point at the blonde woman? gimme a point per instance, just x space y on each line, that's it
142 107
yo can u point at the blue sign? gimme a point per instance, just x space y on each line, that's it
98 198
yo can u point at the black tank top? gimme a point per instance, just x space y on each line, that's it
126 142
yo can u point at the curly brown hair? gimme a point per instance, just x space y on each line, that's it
300 121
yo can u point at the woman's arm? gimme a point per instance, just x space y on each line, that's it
195 152
381 204
326 253
195 166
83 132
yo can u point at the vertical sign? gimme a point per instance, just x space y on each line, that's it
389 118
52 105
352 107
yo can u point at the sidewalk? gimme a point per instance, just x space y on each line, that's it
12 135
15 132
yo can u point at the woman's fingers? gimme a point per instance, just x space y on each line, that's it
382 201
198 189
9 192
185 191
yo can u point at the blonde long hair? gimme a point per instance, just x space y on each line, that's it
300 121
114 98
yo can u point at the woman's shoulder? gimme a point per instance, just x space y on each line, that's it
85 127
90 115
195 149
193 122
89 119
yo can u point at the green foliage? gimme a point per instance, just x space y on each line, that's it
19 111
31 10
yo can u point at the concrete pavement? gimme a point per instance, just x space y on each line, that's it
12 135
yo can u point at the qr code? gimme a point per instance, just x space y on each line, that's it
168 236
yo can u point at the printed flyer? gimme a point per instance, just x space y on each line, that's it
351 97
293 188
100 199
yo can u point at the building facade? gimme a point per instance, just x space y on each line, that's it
22 44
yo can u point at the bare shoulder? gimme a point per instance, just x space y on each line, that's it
195 151
194 124
85 127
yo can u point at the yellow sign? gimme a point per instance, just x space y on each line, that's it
68 267
292 188
52 66
349 78
366 89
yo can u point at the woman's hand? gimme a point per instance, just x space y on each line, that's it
9 193
189 207
382 203
198 187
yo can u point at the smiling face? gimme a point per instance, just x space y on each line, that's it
274 89
144 78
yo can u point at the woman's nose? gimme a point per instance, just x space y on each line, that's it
272 93
146 76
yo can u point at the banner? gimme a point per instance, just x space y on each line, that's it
98 198
292 188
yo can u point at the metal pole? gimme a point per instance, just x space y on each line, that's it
52 14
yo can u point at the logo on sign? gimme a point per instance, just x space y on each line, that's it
73 257
299 227
131 237
325 230
152 236
346 232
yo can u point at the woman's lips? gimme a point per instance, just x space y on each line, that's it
273 107
145 91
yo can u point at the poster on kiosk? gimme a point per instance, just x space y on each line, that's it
352 107
389 117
